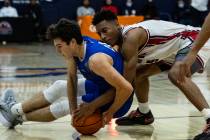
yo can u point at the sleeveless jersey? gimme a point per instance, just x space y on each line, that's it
165 39
92 47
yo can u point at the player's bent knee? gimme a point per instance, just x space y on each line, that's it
60 109
59 85
172 77
56 90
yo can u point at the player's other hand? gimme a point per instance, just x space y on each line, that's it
84 110
183 68
107 116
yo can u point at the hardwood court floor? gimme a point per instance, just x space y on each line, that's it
30 68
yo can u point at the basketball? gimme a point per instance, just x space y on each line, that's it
91 125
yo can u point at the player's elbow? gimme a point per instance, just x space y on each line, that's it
128 89
130 67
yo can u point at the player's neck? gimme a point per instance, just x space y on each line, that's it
81 50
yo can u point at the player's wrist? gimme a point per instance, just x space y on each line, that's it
111 110
191 56
93 105
194 50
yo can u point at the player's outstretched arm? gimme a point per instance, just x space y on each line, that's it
183 68
203 36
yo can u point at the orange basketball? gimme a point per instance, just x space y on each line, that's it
91 125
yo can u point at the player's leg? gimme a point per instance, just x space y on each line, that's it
142 115
86 92
142 82
48 96
49 113
56 109
191 90
54 92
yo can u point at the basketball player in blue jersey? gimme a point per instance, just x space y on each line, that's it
101 66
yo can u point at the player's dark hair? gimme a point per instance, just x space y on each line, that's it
66 30
104 15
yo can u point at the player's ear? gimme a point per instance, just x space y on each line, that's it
117 23
73 42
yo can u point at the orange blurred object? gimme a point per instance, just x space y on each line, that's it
88 29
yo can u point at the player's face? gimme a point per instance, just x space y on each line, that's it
109 31
63 48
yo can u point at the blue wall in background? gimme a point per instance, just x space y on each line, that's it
53 11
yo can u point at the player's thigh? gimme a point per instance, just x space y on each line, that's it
151 69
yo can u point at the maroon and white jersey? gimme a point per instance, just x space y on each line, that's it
165 39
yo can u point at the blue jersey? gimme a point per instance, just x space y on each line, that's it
92 47
96 85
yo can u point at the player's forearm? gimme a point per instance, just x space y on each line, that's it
72 84
104 99
203 35
72 92
122 95
129 71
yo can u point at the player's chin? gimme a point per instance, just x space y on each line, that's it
114 42
67 57
111 42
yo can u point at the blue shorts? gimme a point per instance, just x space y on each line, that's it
92 92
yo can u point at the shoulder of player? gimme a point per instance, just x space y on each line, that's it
99 61
136 34
99 58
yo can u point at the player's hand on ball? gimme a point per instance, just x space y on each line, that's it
107 116
84 110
